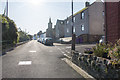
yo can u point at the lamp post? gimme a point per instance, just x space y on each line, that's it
73 35
7 9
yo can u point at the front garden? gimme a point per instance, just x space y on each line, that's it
101 61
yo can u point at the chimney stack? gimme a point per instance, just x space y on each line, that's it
87 4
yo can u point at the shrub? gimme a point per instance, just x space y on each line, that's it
88 51
101 50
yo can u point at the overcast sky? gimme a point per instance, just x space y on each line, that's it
33 15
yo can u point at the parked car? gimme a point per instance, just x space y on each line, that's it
43 40
38 39
102 40
48 41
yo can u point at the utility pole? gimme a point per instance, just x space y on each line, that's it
73 35
7 9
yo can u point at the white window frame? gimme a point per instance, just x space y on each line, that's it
82 15
62 22
74 18
67 21
67 30
82 28
74 29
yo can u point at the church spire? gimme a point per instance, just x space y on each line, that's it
50 20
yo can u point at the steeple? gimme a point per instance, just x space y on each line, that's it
50 20
50 24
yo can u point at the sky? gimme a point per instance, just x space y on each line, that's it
33 15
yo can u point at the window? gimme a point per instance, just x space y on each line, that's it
62 22
82 15
67 30
74 29
82 27
67 22
103 13
74 19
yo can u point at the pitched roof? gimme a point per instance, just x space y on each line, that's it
78 12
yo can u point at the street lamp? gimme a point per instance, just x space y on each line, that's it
73 35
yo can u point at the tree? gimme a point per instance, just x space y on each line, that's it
9 30
23 36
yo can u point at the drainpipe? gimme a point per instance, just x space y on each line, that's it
105 21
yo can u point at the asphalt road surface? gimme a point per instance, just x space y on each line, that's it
66 48
35 60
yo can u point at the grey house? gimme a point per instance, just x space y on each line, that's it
80 23
59 29
96 18
88 23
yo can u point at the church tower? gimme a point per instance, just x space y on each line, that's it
49 31
50 24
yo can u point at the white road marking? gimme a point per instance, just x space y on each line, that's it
59 49
32 51
79 53
68 52
25 63
67 56
68 47
63 59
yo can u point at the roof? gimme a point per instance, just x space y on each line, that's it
78 12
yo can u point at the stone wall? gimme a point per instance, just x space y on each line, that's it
96 66
87 38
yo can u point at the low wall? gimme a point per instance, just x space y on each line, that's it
87 38
11 48
96 66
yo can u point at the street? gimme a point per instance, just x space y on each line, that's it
66 48
35 60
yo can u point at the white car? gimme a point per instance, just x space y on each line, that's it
48 41
102 40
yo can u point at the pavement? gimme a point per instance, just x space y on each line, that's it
66 48
35 60
0 67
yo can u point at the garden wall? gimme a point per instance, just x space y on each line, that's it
98 67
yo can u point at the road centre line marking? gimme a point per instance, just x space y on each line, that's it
68 47
25 63
32 51
68 52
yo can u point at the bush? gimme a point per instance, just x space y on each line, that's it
108 51
9 30
88 51
114 52
100 50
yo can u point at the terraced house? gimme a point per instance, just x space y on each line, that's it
88 23
59 29
80 23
